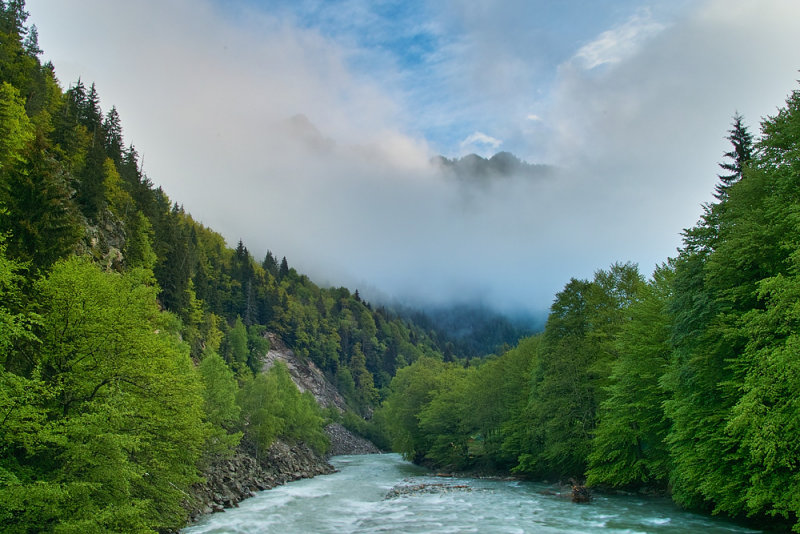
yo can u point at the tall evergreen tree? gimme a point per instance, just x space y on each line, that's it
270 264
740 155
112 129
284 269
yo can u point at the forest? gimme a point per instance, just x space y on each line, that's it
685 382
131 337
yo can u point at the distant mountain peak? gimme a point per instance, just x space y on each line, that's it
473 168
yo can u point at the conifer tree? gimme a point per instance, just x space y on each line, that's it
739 157
284 269
112 130
270 264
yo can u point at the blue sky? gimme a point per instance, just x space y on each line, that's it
630 101
438 59
432 56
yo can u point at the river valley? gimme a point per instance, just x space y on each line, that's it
383 493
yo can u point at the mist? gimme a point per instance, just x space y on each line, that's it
264 130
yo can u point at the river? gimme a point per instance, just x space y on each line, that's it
355 500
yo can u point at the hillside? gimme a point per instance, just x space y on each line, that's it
133 337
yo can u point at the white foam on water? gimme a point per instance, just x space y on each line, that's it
354 501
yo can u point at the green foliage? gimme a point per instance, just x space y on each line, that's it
628 446
112 426
719 290
740 156
108 403
219 403
237 352
15 324
767 415
273 407
138 250
573 368
16 130
500 391
443 419
33 189
373 429
456 417
411 390
260 421
257 346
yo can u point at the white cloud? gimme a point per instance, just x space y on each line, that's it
643 135
480 143
612 46
205 95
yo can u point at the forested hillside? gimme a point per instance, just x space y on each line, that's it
687 381
131 338
130 334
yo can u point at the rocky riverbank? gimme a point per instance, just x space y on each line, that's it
231 480
345 442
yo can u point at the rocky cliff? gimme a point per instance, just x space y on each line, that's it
305 374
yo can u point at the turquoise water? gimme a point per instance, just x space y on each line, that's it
354 500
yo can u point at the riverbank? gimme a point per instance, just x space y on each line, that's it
383 493
228 481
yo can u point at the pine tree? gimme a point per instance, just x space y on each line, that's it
92 115
740 156
39 211
284 269
112 129
270 264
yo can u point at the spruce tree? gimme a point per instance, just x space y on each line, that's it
284 269
270 264
112 131
740 155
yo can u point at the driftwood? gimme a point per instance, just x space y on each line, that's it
580 493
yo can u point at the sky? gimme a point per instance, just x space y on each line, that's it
309 127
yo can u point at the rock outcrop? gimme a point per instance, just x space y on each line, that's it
416 489
231 480
345 442
305 374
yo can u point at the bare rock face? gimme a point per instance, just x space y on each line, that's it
345 442
305 374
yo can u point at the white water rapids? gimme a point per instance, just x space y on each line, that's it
354 500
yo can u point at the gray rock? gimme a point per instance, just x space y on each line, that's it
229 481
345 442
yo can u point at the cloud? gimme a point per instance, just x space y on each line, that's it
277 132
480 143
643 135
612 46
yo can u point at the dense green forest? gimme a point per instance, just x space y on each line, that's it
687 381
131 335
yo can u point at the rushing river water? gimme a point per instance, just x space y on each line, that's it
382 493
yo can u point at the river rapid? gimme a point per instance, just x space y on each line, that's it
383 493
